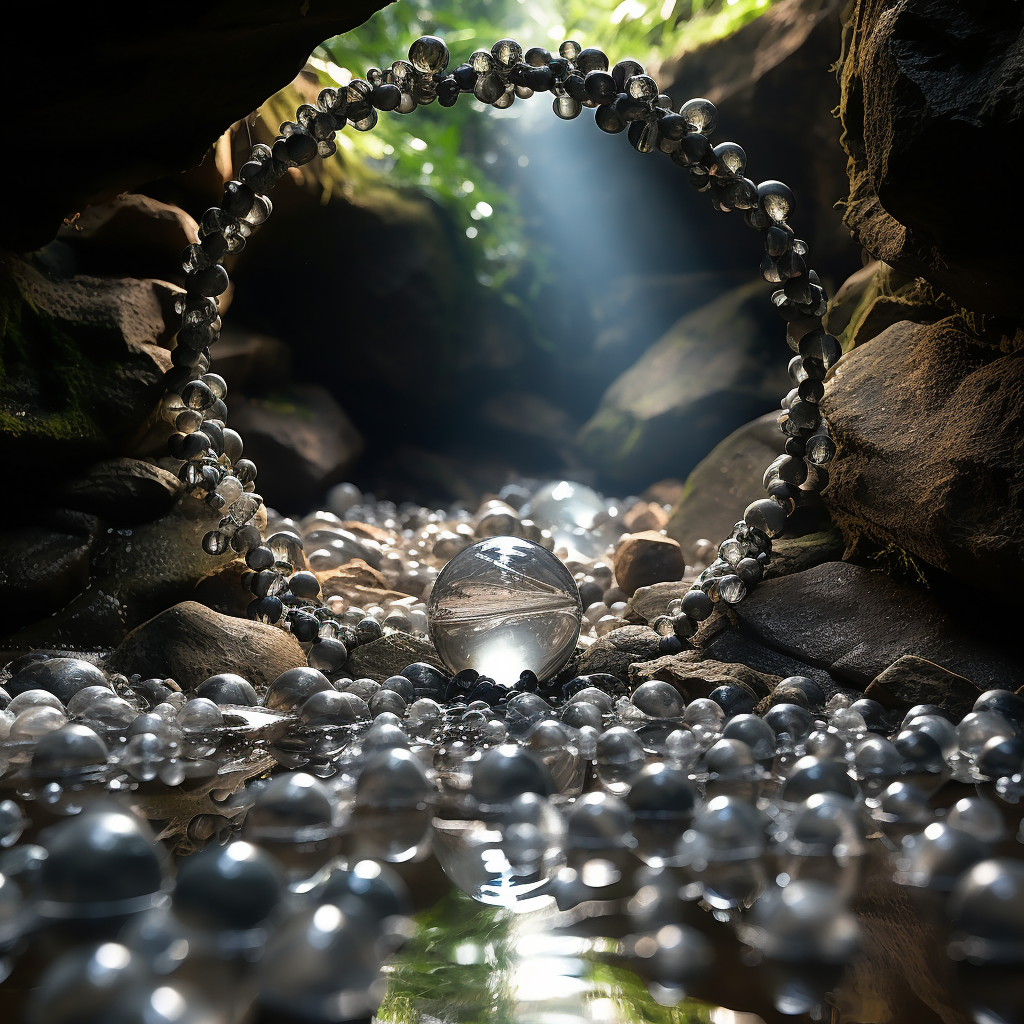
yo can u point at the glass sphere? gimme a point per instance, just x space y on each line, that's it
569 511
502 606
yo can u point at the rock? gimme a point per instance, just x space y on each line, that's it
222 590
130 236
44 566
695 675
733 646
645 515
355 573
794 554
921 81
911 680
118 145
645 558
753 75
647 603
614 652
727 480
82 363
855 623
386 657
712 371
929 421
664 492
301 440
124 492
251 363
190 642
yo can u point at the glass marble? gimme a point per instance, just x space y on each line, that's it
502 606
569 510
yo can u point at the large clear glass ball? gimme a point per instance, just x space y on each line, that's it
570 510
502 606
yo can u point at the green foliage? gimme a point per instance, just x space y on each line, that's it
445 152
636 1005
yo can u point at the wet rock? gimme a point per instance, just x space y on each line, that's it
201 95
733 646
911 680
645 558
725 482
386 657
753 76
44 566
82 363
301 440
191 642
614 652
920 81
131 236
794 554
695 675
929 421
712 371
63 677
123 492
855 623
647 603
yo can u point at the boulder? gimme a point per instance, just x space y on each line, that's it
387 656
300 439
733 646
929 422
712 371
695 675
911 680
645 515
202 70
614 652
82 363
854 623
922 81
123 492
727 480
647 603
251 363
794 554
190 642
645 558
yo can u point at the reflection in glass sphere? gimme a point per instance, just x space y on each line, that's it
569 511
502 606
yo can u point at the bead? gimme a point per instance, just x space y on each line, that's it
766 515
776 199
506 53
623 71
608 120
697 605
729 158
701 115
566 107
591 59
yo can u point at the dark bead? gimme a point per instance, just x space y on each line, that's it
245 470
792 469
643 136
264 581
872 712
670 645
625 70
798 289
999 758
777 241
427 680
921 751
560 68
791 264
537 56
259 557
537 79
697 605
214 430
301 148
608 120
673 126
293 688
228 688
305 628
804 415
792 719
238 199
508 771
600 87
386 97
183 356
268 609
465 77
796 445
369 629
694 150
214 247
661 790
305 585
811 390
227 888
734 699
70 748
197 395
374 885
590 593
591 59
210 282
245 538
631 109
260 176
699 179
575 87
1001 702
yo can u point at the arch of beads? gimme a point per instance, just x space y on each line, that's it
625 99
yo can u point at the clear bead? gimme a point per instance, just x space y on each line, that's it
700 114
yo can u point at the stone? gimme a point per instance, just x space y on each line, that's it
642 559
301 440
647 603
251 363
190 642
910 680
82 363
919 82
728 479
711 372
183 84
929 420
386 657
352 577
854 623
794 554
614 652
43 566
695 675
130 236
643 516
732 646
753 75
123 492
